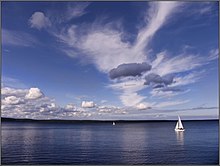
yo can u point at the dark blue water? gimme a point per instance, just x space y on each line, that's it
103 143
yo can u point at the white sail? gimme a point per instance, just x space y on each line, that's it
176 125
180 125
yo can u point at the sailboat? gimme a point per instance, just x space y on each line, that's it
179 125
113 123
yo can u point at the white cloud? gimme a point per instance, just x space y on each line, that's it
131 99
12 82
103 45
11 100
143 106
205 8
213 54
18 38
76 10
177 64
34 93
16 104
52 105
160 12
88 104
38 20
159 58
170 103
107 50
70 107
7 91
128 91
187 79
167 94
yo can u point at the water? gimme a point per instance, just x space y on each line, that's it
103 143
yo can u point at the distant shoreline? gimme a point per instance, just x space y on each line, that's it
91 121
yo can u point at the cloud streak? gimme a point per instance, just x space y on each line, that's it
159 14
18 38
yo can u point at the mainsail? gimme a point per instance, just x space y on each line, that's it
179 125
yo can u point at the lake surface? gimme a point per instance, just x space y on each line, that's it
103 143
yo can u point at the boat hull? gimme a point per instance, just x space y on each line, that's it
179 129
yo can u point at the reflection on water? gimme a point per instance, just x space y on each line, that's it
134 145
28 136
102 143
180 137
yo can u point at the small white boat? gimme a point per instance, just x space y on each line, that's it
113 123
179 125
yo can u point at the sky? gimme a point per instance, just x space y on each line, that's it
110 60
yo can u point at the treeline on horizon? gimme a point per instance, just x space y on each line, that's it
4 119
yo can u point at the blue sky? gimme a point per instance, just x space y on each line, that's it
110 60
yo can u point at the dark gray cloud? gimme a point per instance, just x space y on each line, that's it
204 108
168 89
130 69
158 81
158 86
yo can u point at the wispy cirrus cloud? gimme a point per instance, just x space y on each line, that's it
168 92
75 10
158 16
213 54
12 82
177 64
170 103
18 38
103 45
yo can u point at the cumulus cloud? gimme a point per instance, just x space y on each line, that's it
11 100
131 69
16 104
7 91
52 105
70 107
88 104
143 106
38 20
34 93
